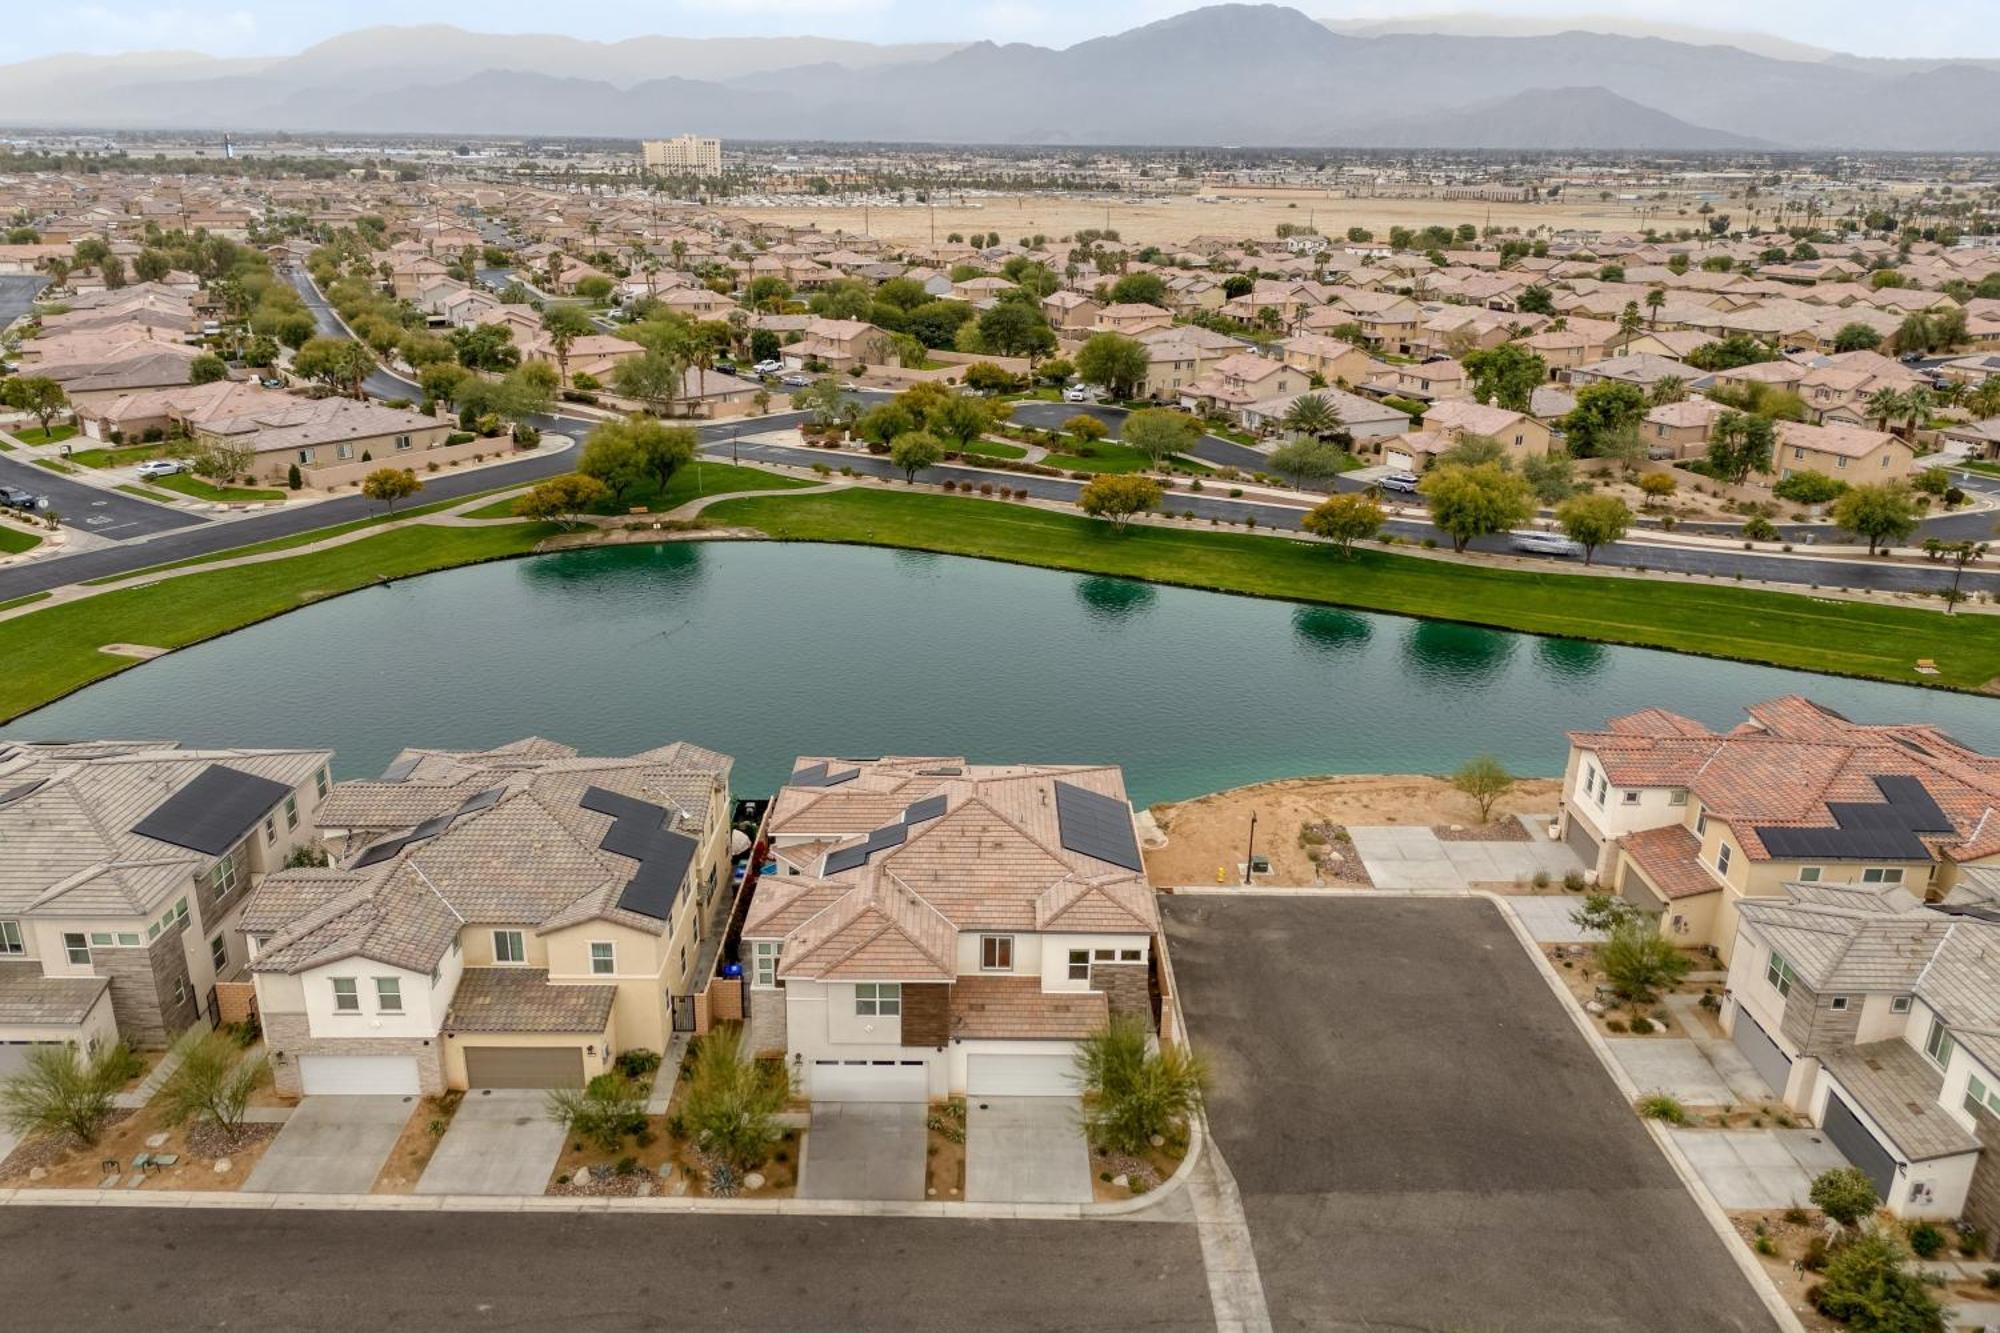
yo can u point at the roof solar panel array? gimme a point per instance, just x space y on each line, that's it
1865 830
1092 824
212 813
638 831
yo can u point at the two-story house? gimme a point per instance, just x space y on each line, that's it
1879 1017
1687 823
510 918
123 869
940 927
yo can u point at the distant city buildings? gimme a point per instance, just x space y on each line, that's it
684 154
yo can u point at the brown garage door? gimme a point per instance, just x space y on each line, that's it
523 1067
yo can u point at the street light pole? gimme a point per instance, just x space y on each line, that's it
1250 851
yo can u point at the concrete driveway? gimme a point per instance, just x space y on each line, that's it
1410 856
500 1142
1026 1150
1546 917
1422 1138
1704 1073
331 1145
865 1150
1759 1168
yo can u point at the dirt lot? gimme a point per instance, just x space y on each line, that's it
72 1167
1177 219
1210 831
417 1144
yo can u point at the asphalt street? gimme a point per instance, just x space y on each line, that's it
107 513
117 1269
17 295
1423 1139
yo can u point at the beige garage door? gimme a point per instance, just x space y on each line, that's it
524 1066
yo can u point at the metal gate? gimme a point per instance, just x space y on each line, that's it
683 1011
1862 1148
1772 1064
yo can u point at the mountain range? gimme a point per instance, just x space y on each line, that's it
1227 75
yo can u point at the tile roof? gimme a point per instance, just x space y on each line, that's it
1018 1007
1898 1089
30 999
1670 858
520 999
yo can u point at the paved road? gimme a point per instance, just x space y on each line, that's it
117 1269
17 295
1422 1138
95 509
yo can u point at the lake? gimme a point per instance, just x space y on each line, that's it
766 651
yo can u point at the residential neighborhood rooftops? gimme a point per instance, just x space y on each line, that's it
1899 1089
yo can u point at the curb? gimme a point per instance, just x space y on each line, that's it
1697 1189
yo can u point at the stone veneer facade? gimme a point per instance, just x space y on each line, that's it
1982 1197
287 1037
142 990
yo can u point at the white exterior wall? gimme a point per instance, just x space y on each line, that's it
278 993
1056 949
820 1024
1614 818
1879 1023
1946 1178
1029 950
420 1017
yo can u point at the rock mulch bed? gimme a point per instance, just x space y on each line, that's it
211 1144
45 1151
1332 851
1501 830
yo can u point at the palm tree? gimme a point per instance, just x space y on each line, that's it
1655 298
1313 415
1885 405
1917 404
1628 324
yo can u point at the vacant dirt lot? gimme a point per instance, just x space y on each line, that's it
1212 831
1164 221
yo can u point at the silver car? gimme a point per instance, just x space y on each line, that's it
1544 543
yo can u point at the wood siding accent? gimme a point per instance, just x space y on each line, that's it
926 1014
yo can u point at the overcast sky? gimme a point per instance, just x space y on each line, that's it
266 27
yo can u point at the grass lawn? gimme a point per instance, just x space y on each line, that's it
24 601
49 653
53 465
1988 469
144 494
1843 637
994 449
692 482
53 435
182 483
13 540
6 447
122 456
1110 456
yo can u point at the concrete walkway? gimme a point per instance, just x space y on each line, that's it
1235 1286
139 1096
1411 856
1758 1168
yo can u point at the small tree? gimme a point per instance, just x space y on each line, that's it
1845 1194
602 1113
293 478
731 1103
213 1082
1308 460
1883 512
1468 502
1485 780
1132 1091
1869 1287
1118 496
1605 912
1344 520
915 450
1638 960
1592 521
390 484
38 396
58 1091
1085 428
219 461
1160 433
562 499
207 369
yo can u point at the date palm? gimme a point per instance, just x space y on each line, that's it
1885 405
1917 404
1313 415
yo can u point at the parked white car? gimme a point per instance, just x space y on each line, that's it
162 467
1544 543
768 367
1076 393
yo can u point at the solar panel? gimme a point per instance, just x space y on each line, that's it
845 775
813 776
400 770
1091 824
931 807
480 800
845 858
212 813
1865 830
638 832
940 772
377 852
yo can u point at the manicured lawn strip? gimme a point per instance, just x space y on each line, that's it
24 601
201 490
1973 465
53 465
6 447
1841 637
13 540
49 653
120 456
693 481
287 543
1106 456
993 449
53 435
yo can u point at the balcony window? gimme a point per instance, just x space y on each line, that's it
1939 1045
996 953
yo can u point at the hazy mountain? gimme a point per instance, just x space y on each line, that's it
1507 25
1577 118
1225 75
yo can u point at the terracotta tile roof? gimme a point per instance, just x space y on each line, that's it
520 999
1670 859
1018 1007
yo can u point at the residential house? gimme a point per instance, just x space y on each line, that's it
1520 435
1071 314
1849 453
1237 381
1641 368
1878 1016
127 864
1363 419
157 413
1687 823
1682 429
1334 361
506 918
941 927
333 441
1132 318
840 344
1426 381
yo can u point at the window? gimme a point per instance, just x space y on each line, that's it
128 939
1700 822
1809 874
1129 955
402 441
222 877
10 938
291 812
1977 1093
1900 1005
1838 1004
320 781
78 950
180 991
996 953
1882 875
305 455
507 947
218 952
100 939
153 930
764 961
601 960
1939 1045
389 995
270 829
1780 974
346 996
343 452
1722 858
1678 796
1629 797
878 997
1079 964
181 911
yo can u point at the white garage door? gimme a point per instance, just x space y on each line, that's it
357 1075
1050 1075
870 1081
